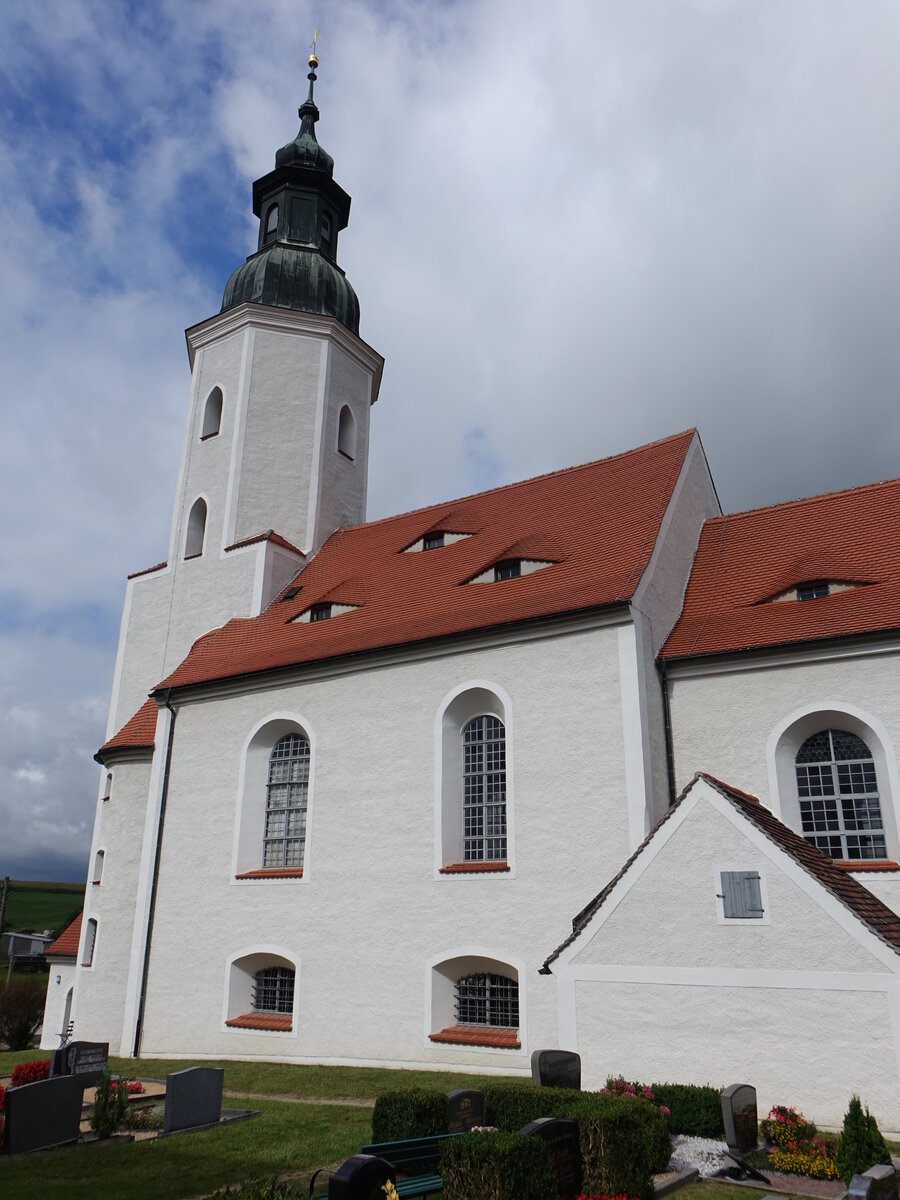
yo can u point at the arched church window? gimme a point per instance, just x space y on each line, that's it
212 414
840 809
347 433
196 529
287 794
484 790
271 225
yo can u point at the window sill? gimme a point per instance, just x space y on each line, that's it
866 864
478 1035
204 437
473 868
190 557
273 873
269 1022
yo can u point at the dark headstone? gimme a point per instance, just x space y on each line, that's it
878 1183
563 1148
465 1109
193 1097
743 1170
42 1114
361 1177
739 1117
87 1060
556 1068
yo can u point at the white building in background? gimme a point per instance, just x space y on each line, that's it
385 767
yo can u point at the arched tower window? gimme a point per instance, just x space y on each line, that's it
212 414
347 433
840 809
484 790
287 793
98 866
196 529
90 943
271 225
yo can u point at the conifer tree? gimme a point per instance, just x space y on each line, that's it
861 1145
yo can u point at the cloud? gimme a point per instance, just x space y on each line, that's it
568 236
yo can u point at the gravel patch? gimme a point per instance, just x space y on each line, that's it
705 1155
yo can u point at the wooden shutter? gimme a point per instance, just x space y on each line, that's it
741 896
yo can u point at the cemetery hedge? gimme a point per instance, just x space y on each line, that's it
412 1113
496 1166
694 1109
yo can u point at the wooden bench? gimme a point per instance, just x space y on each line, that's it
417 1160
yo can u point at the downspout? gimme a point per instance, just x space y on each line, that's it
139 1028
667 727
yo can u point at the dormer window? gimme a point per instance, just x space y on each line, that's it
507 570
291 594
321 612
324 611
271 225
510 568
433 541
812 591
436 539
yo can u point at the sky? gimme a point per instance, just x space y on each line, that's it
570 234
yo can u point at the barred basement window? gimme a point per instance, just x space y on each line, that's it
840 810
487 1000
287 792
273 990
484 790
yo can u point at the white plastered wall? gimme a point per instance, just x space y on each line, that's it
803 1005
60 985
371 911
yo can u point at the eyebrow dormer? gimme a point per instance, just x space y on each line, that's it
510 568
812 589
435 539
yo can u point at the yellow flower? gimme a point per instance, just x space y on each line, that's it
390 1191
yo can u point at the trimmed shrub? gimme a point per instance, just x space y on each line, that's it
21 1012
30 1072
509 1106
413 1113
693 1109
496 1166
861 1145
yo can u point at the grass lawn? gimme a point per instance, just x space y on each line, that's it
41 906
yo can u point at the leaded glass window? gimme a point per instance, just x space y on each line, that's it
840 811
484 790
287 791
273 990
487 1000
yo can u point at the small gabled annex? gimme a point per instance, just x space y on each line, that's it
724 936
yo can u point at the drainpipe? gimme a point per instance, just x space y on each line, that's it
667 727
139 1028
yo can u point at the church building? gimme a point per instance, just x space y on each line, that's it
580 761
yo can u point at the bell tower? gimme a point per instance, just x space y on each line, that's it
275 453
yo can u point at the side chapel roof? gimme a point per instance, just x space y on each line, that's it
66 945
874 914
746 560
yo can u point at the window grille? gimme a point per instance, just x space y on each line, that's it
812 591
840 810
487 1000
273 990
432 541
484 790
741 897
507 570
286 796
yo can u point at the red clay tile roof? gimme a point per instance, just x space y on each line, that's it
597 523
269 536
745 559
66 945
136 734
148 570
875 915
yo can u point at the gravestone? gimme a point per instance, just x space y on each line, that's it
465 1109
563 1146
193 1098
361 1177
878 1183
739 1117
556 1068
43 1114
87 1060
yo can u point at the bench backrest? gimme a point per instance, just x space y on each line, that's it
414 1156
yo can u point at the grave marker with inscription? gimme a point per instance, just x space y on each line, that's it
193 1098
361 1177
43 1114
87 1060
878 1183
563 1146
556 1068
739 1117
465 1110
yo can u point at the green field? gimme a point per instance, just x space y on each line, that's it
41 906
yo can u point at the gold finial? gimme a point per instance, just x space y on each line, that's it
313 59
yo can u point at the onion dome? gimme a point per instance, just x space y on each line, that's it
301 211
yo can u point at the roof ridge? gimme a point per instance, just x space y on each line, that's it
799 501
517 483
